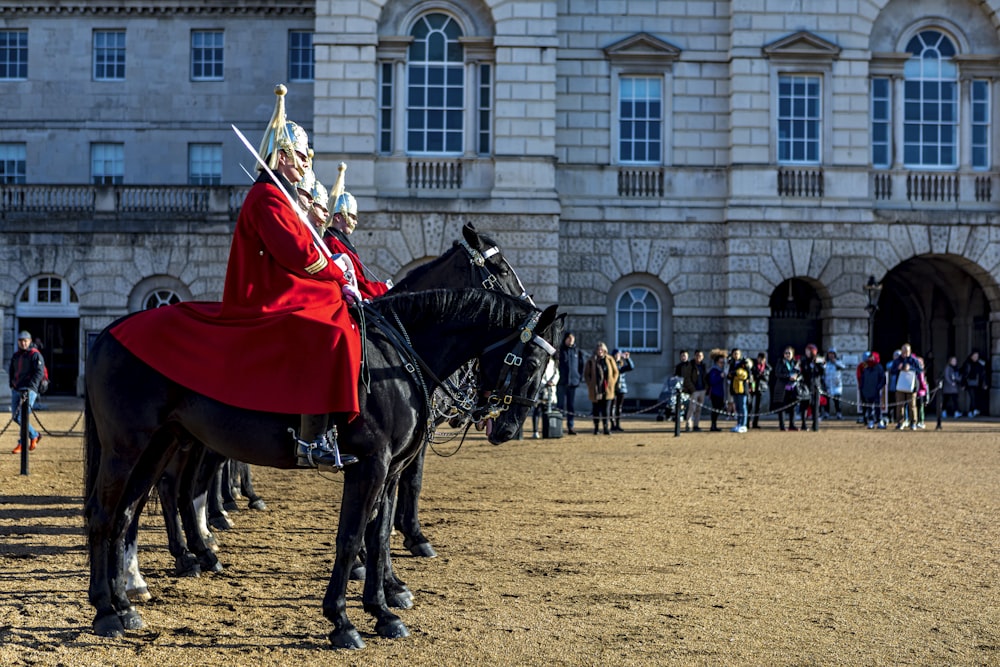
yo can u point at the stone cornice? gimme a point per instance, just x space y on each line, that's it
58 8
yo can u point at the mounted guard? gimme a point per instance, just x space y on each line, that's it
282 339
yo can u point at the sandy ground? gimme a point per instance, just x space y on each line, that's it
844 547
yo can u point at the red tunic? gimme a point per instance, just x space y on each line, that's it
282 339
369 288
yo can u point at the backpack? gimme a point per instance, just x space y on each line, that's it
43 386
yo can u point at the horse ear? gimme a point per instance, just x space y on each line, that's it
548 317
471 235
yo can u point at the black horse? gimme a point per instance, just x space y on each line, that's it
193 472
476 261
136 418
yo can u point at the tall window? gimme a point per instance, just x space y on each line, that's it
980 124
13 54
881 123
637 317
435 87
109 55
930 102
206 55
640 120
385 108
301 58
205 164
798 119
12 164
107 164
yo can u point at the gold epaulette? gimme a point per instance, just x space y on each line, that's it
317 266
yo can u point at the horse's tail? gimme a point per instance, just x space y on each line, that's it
92 450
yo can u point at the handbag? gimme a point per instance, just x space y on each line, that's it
802 391
906 382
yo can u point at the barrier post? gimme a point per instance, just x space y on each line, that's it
25 440
677 411
939 401
815 408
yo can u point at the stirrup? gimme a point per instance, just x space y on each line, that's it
322 453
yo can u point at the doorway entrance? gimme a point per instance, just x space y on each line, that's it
795 318
48 308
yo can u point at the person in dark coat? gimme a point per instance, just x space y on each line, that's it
570 377
973 375
27 369
871 384
786 374
812 376
761 371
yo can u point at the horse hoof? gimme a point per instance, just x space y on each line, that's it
422 550
230 506
400 600
209 563
187 566
392 629
220 522
108 625
140 594
348 638
257 504
358 573
131 620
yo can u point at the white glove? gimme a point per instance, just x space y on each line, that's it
347 266
351 294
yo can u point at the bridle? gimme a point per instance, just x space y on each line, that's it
486 277
501 397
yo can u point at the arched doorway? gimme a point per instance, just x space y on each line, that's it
48 308
936 305
795 318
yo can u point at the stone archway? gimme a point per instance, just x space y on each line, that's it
938 305
796 317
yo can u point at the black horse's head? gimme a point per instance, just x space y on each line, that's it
497 273
511 372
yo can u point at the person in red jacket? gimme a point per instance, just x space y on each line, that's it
281 285
343 222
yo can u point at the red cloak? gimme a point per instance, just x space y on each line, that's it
282 339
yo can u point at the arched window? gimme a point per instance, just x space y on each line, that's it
159 298
637 320
435 101
930 99
46 293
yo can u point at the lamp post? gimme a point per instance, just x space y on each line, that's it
872 289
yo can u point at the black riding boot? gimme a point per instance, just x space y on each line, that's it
316 447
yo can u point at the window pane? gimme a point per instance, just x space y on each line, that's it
437 89
301 57
13 54
109 55
798 121
930 102
13 161
640 119
206 55
637 315
205 164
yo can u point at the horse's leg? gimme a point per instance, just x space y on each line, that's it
406 518
136 589
217 516
99 510
169 488
375 602
246 487
196 478
363 482
200 503
227 486
396 593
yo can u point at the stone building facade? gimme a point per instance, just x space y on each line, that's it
674 173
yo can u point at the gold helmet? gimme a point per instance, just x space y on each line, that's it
283 134
320 195
308 182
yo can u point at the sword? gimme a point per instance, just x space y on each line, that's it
317 240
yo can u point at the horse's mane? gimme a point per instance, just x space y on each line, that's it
418 272
449 304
